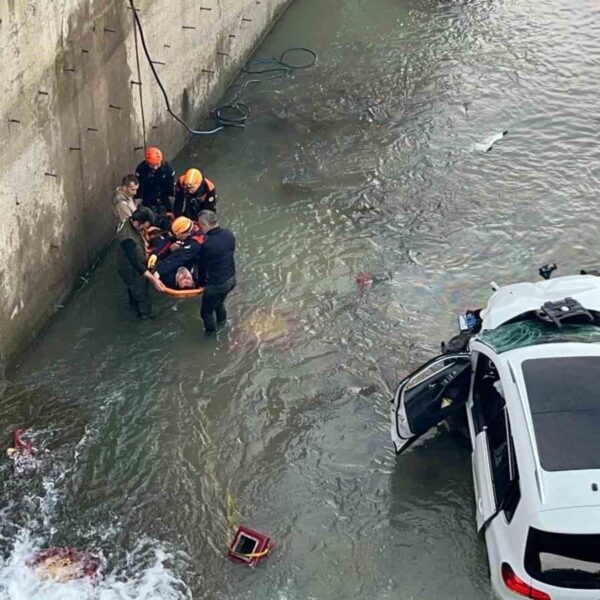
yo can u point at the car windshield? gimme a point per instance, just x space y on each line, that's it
533 331
563 560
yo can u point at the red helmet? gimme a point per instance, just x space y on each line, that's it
153 156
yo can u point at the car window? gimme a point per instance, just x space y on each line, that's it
488 395
489 413
563 560
512 494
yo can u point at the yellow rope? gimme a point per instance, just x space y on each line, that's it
253 554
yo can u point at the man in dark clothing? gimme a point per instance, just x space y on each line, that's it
216 269
157 182
194 193
132 261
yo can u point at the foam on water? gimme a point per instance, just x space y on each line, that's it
155 581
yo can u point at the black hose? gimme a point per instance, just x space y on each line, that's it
160 85
279 63
238 111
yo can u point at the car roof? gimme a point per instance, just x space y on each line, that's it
513 300
554 428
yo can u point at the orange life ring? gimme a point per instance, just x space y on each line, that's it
188 293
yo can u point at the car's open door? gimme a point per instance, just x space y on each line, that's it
429 395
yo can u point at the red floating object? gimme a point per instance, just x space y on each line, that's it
249 546
364 279
24 446
66 564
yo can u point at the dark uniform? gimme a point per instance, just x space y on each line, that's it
216 273
132 266
190 205
187 256
156 187
160 244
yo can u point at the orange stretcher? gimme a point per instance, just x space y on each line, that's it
187 293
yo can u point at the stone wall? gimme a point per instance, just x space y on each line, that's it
71 123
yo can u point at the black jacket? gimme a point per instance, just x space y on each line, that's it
133 253
156 186
215 262
190 205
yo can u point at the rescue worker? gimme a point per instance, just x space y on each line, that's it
216 270
132 261
157 182
123 200
194 193
189 240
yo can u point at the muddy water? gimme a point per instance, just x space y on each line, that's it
160 441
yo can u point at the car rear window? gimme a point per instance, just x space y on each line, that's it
564 397
563 560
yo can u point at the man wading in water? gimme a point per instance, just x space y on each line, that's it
132 261
216 270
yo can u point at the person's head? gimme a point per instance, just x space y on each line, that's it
207 220
142 218
130 185
153 157
184 279
192 180
182 227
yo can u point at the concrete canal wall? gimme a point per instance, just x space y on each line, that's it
71 122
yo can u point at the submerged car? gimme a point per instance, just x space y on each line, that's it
526 371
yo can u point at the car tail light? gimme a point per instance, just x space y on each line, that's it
518 586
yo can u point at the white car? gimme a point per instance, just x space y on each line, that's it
527 371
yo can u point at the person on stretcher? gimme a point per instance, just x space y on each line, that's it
184 280
177 266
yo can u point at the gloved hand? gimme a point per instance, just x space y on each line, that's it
152 260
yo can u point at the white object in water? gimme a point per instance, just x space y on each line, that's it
489 142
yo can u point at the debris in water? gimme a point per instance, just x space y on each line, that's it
22 453
365 279
364 390
249 546
65 564
488 144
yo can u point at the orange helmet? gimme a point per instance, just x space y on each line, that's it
181 226
192 177
153 156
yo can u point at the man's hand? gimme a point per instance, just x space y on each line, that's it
159 286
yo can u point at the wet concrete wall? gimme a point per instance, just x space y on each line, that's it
75 115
